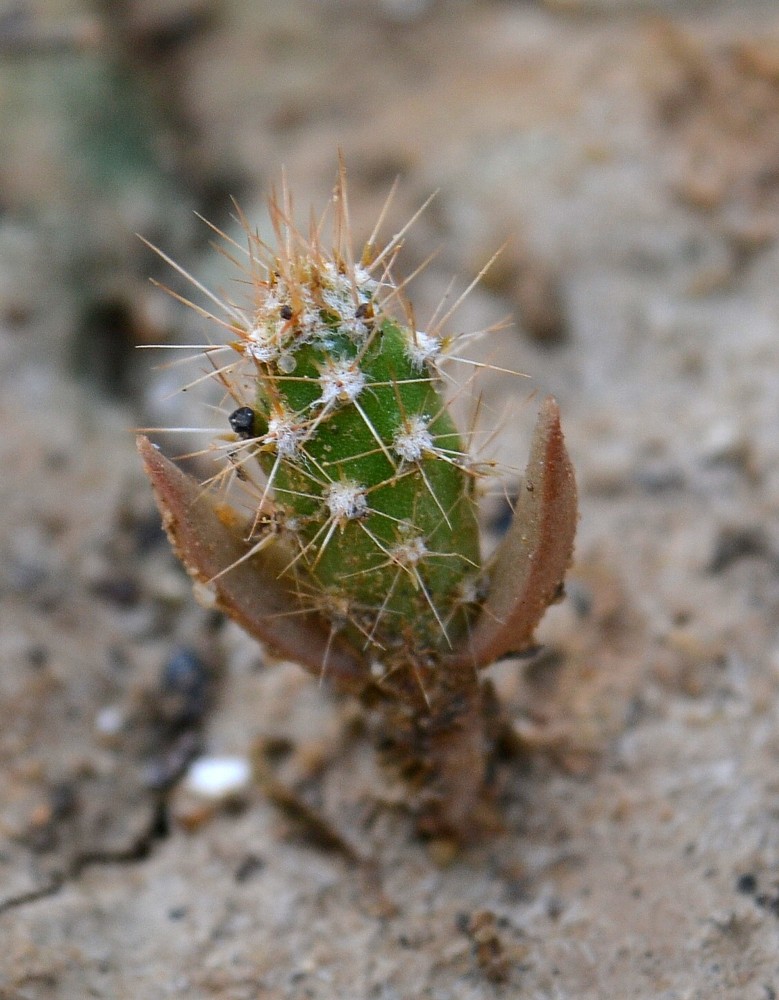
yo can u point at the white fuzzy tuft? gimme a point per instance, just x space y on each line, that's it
346 500
341 380
410 552
421 348
261 347
413 439
285 435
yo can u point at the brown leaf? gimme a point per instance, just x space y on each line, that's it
208 537
530 565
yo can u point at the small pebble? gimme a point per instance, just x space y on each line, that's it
723 442
184 687
746 884
735 542
109 721
218 778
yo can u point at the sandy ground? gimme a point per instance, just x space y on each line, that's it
628 151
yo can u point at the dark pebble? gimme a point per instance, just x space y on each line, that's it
747 884
736 543
184 684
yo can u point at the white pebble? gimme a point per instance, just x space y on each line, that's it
109 720
218 777
722 441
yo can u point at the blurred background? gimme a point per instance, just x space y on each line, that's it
627 154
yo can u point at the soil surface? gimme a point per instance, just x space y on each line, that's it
628 152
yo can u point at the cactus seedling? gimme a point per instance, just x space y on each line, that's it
359 553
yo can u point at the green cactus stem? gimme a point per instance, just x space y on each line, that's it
367 469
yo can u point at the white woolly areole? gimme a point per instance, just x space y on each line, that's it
341 380
410 552
272 338
343 296
341 283
354 328
413 440
337 301
285 435
422 347
365 283
261 346
468 590
346 500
